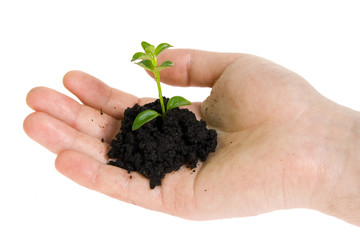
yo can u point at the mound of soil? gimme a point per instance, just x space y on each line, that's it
162 145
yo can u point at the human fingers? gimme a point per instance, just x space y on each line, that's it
57 136
110 180
175 196
83 118
195 67
94 93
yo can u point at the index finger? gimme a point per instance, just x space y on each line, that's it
96 94
195 67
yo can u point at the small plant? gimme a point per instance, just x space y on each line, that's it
149 62
166 144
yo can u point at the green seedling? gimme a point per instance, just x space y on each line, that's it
149 62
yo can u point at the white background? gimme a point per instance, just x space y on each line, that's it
42 40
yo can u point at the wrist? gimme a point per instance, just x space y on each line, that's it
338 188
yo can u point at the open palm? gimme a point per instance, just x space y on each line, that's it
266 116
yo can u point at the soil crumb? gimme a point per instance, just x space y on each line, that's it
162 145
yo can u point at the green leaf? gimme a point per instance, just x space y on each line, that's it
137 56
140 55
176 101
144 117
161 47
145 45
150 50
147 64
164 65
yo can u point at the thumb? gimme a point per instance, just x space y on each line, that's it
254 91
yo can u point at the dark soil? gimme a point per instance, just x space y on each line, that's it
162 145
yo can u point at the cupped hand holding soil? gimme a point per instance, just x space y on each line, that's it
280 143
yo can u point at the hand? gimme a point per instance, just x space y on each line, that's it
280 143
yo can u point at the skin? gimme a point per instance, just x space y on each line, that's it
281 144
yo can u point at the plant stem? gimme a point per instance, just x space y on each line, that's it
157 79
